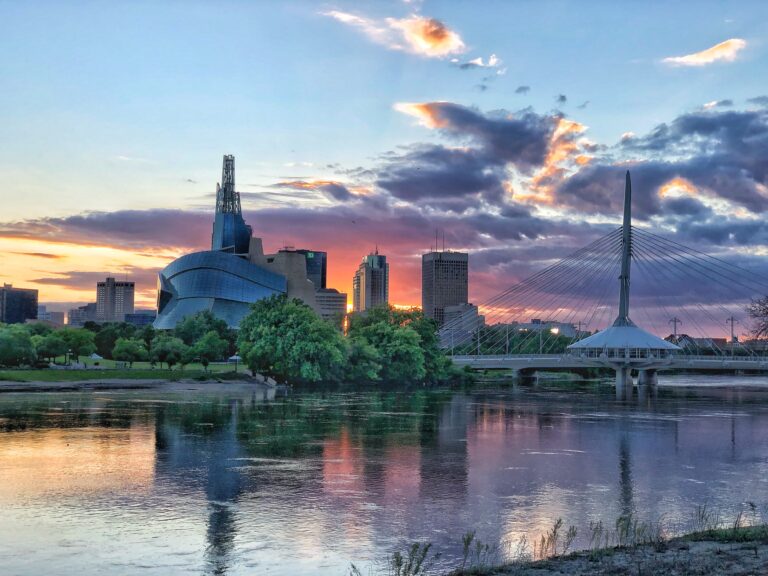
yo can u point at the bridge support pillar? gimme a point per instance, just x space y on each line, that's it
648 378
624 383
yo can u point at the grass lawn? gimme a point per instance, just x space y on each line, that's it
140 371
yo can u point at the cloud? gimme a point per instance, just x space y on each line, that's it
724 52
719 155
331 189
759 100
522 89
561 99
718 104
493 62
520 138
84 281
41 255
583 105
416 34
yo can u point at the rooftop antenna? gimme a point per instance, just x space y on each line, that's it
443 240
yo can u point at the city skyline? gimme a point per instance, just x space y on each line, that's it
508 140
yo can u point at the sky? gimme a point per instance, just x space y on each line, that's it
506 125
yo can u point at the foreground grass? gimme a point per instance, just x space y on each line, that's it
627 547
48 375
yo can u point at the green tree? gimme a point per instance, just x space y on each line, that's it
50 346
110 332
402 359
194 327
79 341
286 340
363 361
129 350
168 349
38 328
16 348
210 347
147 334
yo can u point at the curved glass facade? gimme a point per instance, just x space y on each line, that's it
220 282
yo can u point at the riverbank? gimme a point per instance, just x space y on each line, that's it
126 384
742 551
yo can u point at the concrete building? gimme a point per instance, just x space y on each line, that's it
82 314
51 317
332 305
114 299
444 282
370 285
236 272
17 305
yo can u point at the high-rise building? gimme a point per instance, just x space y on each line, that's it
317 267
444 282
332 305
114 300
17 305
82 314
370 286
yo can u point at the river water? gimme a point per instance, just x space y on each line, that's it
239 483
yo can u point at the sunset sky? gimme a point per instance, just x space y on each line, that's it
507 125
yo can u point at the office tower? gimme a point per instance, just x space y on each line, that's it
444 282
113 300
17 305
82 314
370 286
332 305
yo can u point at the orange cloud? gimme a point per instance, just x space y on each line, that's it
428 36
426 114
725 51
677 187
416 34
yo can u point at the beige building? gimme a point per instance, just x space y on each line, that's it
332 305
114 300
370 285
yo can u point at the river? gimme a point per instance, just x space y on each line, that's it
305 483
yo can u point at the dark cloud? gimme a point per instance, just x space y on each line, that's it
522 89
431 171
561 99
330 189
521 138
759 100
40 255
144 278
722 153
583 105
132 229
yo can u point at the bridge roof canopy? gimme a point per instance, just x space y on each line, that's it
621 338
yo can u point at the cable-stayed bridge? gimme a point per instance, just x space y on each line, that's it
571 315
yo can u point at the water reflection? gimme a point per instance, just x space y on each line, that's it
226 483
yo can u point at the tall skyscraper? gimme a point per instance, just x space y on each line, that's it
444 282
17 305
370 286
114 300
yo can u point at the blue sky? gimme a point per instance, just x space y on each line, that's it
112 112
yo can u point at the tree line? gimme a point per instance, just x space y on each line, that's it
199 338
